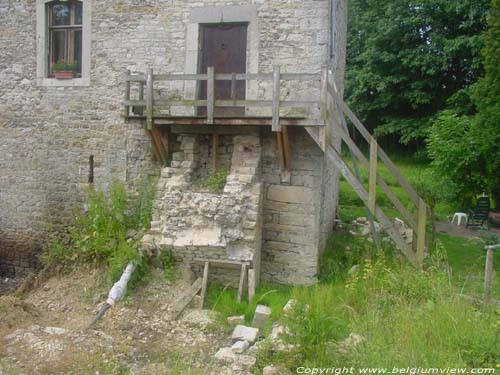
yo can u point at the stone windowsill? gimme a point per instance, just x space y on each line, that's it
53 82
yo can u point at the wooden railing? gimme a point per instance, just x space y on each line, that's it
336 120
147 101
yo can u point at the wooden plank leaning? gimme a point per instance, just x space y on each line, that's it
180 304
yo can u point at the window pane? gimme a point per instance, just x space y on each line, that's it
60 14
77 49
78 13
58 45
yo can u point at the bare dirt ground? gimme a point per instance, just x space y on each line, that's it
43 332
446 227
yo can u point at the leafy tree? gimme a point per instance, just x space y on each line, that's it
456 155
486 129
408 60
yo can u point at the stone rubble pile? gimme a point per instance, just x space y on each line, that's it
362 228
246 340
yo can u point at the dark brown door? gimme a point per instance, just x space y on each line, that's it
224 46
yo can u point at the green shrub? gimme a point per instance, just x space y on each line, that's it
456 155
99 234
168 262
216 180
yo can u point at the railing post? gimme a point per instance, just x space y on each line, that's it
233 86
421 224
140 109
372 182
149 98
126 109
276 126
210 94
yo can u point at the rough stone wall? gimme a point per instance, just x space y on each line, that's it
48 133
197 223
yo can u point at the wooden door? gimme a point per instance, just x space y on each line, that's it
224 46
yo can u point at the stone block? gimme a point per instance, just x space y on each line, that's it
290 194
226 355
244 333
261 316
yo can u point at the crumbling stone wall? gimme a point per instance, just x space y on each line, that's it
47 133
197 223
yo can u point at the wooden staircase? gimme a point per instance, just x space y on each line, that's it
335 113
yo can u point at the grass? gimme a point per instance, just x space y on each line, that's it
406 317
223 300
351 206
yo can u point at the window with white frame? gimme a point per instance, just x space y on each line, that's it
63 41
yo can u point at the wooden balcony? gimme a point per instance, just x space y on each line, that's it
332 118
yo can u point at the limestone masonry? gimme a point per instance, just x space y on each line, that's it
49 128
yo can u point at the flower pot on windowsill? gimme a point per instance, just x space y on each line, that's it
63 74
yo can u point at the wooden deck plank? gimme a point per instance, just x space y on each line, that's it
237 121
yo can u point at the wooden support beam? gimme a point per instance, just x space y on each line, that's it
286 147
210 94
215 147
421 224
126 97
372 182
149 99
281 151
276 126
157 140
204 284
243 276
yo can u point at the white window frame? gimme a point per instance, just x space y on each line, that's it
42 47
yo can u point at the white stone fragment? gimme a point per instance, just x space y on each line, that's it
54 330
244 333
226 355
240 347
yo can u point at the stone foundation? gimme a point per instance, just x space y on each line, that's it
259 207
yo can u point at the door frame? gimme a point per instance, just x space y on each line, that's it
201 56
216 15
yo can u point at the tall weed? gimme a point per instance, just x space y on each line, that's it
101 234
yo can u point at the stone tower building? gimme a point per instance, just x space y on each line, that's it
278 205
